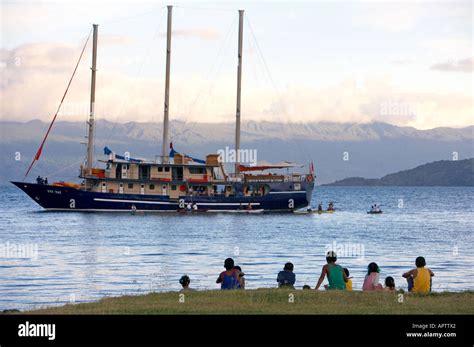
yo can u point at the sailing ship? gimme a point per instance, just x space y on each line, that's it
173 182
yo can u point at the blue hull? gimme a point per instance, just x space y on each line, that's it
58 198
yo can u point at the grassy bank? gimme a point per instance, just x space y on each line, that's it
275 301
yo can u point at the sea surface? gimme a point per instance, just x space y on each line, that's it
51 258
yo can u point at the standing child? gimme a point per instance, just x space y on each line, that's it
286 278
419 279
336 277
371 281
229 279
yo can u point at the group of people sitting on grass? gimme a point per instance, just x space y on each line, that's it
418 279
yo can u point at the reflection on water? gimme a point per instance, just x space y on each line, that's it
85 256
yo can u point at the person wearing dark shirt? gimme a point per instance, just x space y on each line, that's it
286 278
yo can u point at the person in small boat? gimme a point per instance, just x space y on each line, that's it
375 208
45 180
336 277
371 281
39 180
349 279
389 284
331 206
229 279
320 207
419 279
185 281
241 276
286 278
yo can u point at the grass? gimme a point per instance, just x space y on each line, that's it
275 301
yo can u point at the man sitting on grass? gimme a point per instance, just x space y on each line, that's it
286 278
336 276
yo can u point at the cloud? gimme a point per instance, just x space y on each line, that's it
462 65
204 34
110 40
390 17
33 89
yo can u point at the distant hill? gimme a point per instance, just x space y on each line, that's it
374 149
438 173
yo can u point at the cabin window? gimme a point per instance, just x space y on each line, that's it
167 169
152 186
160 168
130 186
197 170
177 173
144 172
173 187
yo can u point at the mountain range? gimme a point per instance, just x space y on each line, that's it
438 173
337 150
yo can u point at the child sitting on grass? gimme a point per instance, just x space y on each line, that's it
419 279
389 284
286 278
185 281
371 281
349 279
241 276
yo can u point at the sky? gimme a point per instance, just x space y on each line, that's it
407 63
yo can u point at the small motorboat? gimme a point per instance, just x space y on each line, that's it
311 211
374 212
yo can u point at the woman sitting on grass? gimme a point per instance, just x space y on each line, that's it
336 277
230 278
371 281
419 279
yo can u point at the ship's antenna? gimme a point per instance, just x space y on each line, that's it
164 155
90 136
239 87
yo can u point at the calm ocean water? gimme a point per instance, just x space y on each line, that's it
85 256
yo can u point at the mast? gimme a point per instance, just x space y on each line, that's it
90 137
239 86
164 155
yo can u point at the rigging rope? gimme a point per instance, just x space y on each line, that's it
211 76
277 92
40 149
